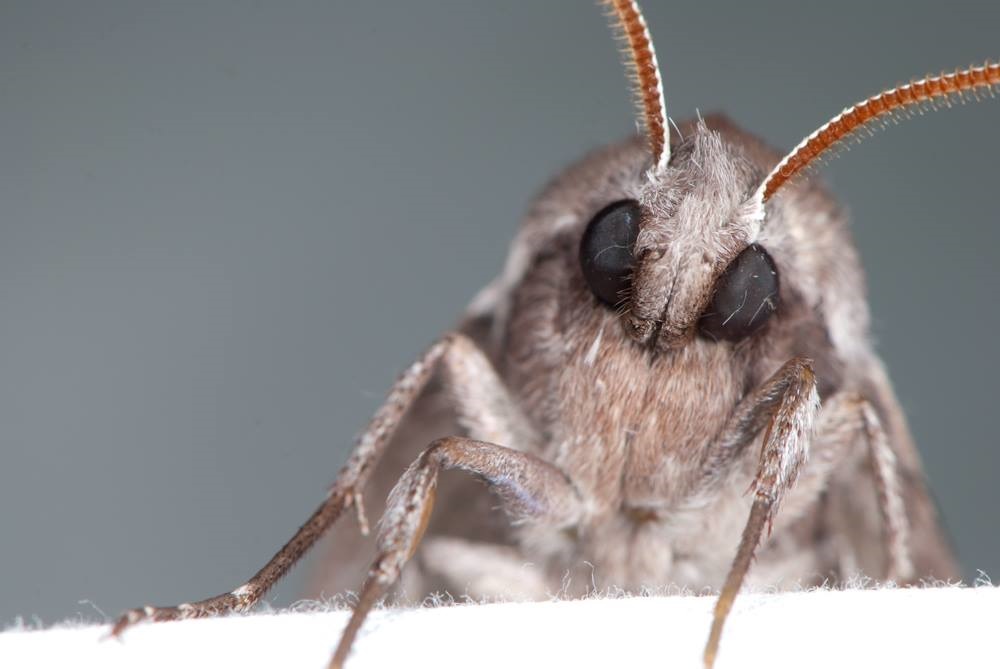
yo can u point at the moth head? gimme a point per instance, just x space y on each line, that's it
678 256
685 253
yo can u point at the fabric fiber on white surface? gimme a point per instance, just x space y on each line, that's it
909 627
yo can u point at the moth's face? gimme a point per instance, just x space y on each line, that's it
678 258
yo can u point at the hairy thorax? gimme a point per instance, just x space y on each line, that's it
630 426
631 429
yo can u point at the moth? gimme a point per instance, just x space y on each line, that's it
671 379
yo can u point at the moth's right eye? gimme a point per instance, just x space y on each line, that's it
606 250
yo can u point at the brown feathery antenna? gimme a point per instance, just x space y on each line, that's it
902 98
641 61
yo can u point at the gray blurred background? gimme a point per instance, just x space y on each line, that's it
226 226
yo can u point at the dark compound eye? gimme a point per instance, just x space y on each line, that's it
745 297
606 250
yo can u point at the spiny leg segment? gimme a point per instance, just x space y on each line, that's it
789 401
530 490
786 407
463 362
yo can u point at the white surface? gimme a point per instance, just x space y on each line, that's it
948 627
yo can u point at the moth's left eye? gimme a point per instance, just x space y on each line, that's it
606 250
745 297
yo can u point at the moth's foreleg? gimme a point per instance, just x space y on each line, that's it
488 404
530 490
786 405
